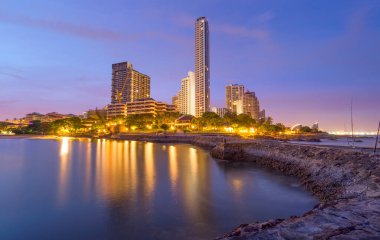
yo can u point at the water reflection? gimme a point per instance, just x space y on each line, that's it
63 170
143 190
173 168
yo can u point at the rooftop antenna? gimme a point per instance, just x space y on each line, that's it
352 128
377 138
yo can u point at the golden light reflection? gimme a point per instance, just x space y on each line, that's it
133 162
64 146
173 167
63 170
193 160
192 183
237 186
88 168
149 168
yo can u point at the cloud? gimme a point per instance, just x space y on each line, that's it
87 32
13 75
241 31
66 28
264 17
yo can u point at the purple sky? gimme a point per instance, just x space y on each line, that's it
304 59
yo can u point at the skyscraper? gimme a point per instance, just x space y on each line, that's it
128 84
186 96
234 95
202 67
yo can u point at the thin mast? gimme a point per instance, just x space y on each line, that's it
352 128
377 138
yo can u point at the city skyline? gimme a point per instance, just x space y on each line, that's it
55 63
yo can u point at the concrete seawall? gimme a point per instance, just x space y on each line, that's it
346 181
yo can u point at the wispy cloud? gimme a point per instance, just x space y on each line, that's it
185 20
66 28
241 31
88 32
264 17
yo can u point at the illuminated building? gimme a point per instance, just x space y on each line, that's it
148 106
186 96
128 84
220 111
238 100
202 67
184 121
251 105
234 94
116 110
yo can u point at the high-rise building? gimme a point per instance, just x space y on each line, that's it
234 96
251 105
238 100
186 96
128 84
202 67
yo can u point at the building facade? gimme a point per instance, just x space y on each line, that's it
202 67
148 106
186 95
128 84
239 100
220 111
251 105
116 110
234 96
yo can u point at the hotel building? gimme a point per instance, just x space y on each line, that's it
202 67
186 96
128 84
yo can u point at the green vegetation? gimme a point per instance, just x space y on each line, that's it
209 122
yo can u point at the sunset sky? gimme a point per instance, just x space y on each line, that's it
304 59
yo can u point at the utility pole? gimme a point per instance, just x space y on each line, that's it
377 138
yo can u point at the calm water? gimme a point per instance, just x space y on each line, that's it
81 189
361 142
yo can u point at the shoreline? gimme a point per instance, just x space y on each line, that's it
346 181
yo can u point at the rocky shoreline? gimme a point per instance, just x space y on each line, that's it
346 181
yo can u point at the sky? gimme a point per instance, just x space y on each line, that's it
305 59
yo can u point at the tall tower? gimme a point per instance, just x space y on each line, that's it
128 84
202 67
